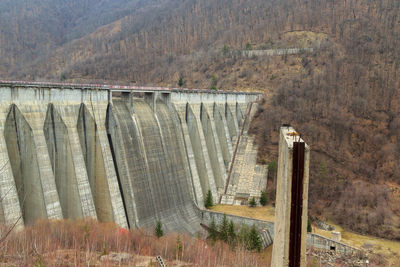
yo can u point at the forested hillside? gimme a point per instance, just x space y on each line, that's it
343 98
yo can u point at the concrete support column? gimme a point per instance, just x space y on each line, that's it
213 144
291 201
9 205
107 192
231 118
223 133
128 99
151 99
200 150
198 193
30 124
68 114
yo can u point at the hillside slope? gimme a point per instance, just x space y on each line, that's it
343 98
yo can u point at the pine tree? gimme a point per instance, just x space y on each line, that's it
309 228
212 231
224 229
263 198
158 231
208 203
180 82
253 202
178 248
231 234
255 242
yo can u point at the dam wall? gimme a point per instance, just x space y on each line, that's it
134 156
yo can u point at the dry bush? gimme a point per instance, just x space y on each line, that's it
87 240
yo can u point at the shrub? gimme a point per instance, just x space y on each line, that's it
180 82
224 229
255 242
263 198
309 228
158 231
253 202
249 47
208 202
212 231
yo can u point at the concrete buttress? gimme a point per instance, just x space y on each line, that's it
197 187
99 161
36 184
200 150
10 209
213 144
67 158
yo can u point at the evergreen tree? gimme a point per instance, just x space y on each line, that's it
255 242
263 198
178 248
272 169
180 82
212 231
231 233
253 202
208 203
224 229
243 236
309 228
158 231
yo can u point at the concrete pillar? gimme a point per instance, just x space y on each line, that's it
128 99
151 99
166 98
290 228
200 150
31 165
10 210
231 119
68 161
199 198
99 163
213 144
223 134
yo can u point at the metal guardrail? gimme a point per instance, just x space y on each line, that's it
160 261
119 88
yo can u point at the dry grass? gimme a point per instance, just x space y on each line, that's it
68 243
387 248
266 213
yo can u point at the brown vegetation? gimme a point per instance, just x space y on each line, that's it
343 98
345 102
68 243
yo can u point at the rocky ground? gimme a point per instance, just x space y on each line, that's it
332 258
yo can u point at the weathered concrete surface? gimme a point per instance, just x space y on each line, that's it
247 178
200 150
280 253
68 162
70 152
197 186
221 126
158 178
30 163
10 211
99 162
213 145
231 119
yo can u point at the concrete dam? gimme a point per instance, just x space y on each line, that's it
131 156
